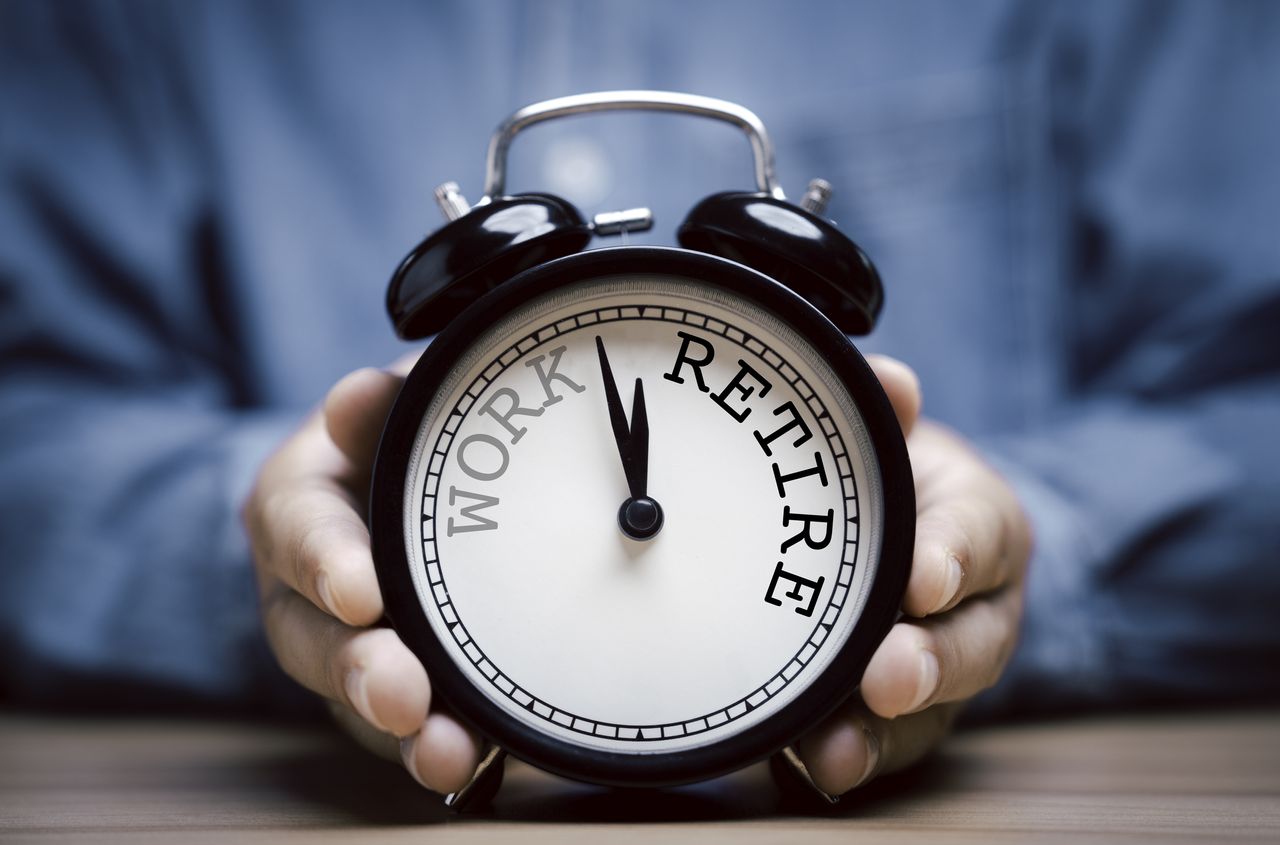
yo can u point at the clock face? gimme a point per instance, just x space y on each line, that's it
573 631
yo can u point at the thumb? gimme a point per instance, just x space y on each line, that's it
901 386
355 410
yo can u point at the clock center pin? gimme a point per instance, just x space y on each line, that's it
640 519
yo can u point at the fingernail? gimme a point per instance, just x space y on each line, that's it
873 757
926 680
358 694
406 757
951 588
326 594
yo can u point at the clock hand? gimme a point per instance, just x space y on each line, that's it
639 446
640 517
621 431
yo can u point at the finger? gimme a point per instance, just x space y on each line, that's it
366 735
355 410
901 386
971 537
402 365
853 746
443 755
367 669
309 535
948 658
962 549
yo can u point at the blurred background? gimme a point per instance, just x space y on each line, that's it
1074 208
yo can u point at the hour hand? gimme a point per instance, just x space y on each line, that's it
638 478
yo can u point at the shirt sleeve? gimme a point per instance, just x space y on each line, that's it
127 411
1153 488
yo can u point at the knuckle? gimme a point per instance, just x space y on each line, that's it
996 630
281 623
272 511
957 530
1021 543
308 553
977 539
348 652
1009 618
259 514
304 530
273 605
983 518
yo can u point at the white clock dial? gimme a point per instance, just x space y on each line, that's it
765 475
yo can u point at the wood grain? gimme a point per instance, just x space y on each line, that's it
1186 777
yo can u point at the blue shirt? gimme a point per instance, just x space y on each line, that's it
1074 207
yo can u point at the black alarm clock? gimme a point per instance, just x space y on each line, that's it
643 513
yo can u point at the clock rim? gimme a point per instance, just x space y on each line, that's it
651 768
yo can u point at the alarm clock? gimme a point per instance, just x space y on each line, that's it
644 513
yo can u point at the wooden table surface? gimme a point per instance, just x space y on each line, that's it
1187 777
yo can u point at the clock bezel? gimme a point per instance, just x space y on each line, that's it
662 768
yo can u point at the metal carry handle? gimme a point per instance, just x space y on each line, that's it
668 101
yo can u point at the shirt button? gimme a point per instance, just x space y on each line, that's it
578 169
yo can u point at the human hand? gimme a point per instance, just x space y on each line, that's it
962 607
320 597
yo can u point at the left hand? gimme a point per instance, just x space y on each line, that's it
962 607
320 598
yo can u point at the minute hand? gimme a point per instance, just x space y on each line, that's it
633 439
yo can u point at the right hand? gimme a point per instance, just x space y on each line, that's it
319 593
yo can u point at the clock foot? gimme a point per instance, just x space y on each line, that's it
793 778
479 791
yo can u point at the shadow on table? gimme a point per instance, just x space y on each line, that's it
350 783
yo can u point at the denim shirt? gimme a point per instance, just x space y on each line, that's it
1074 207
